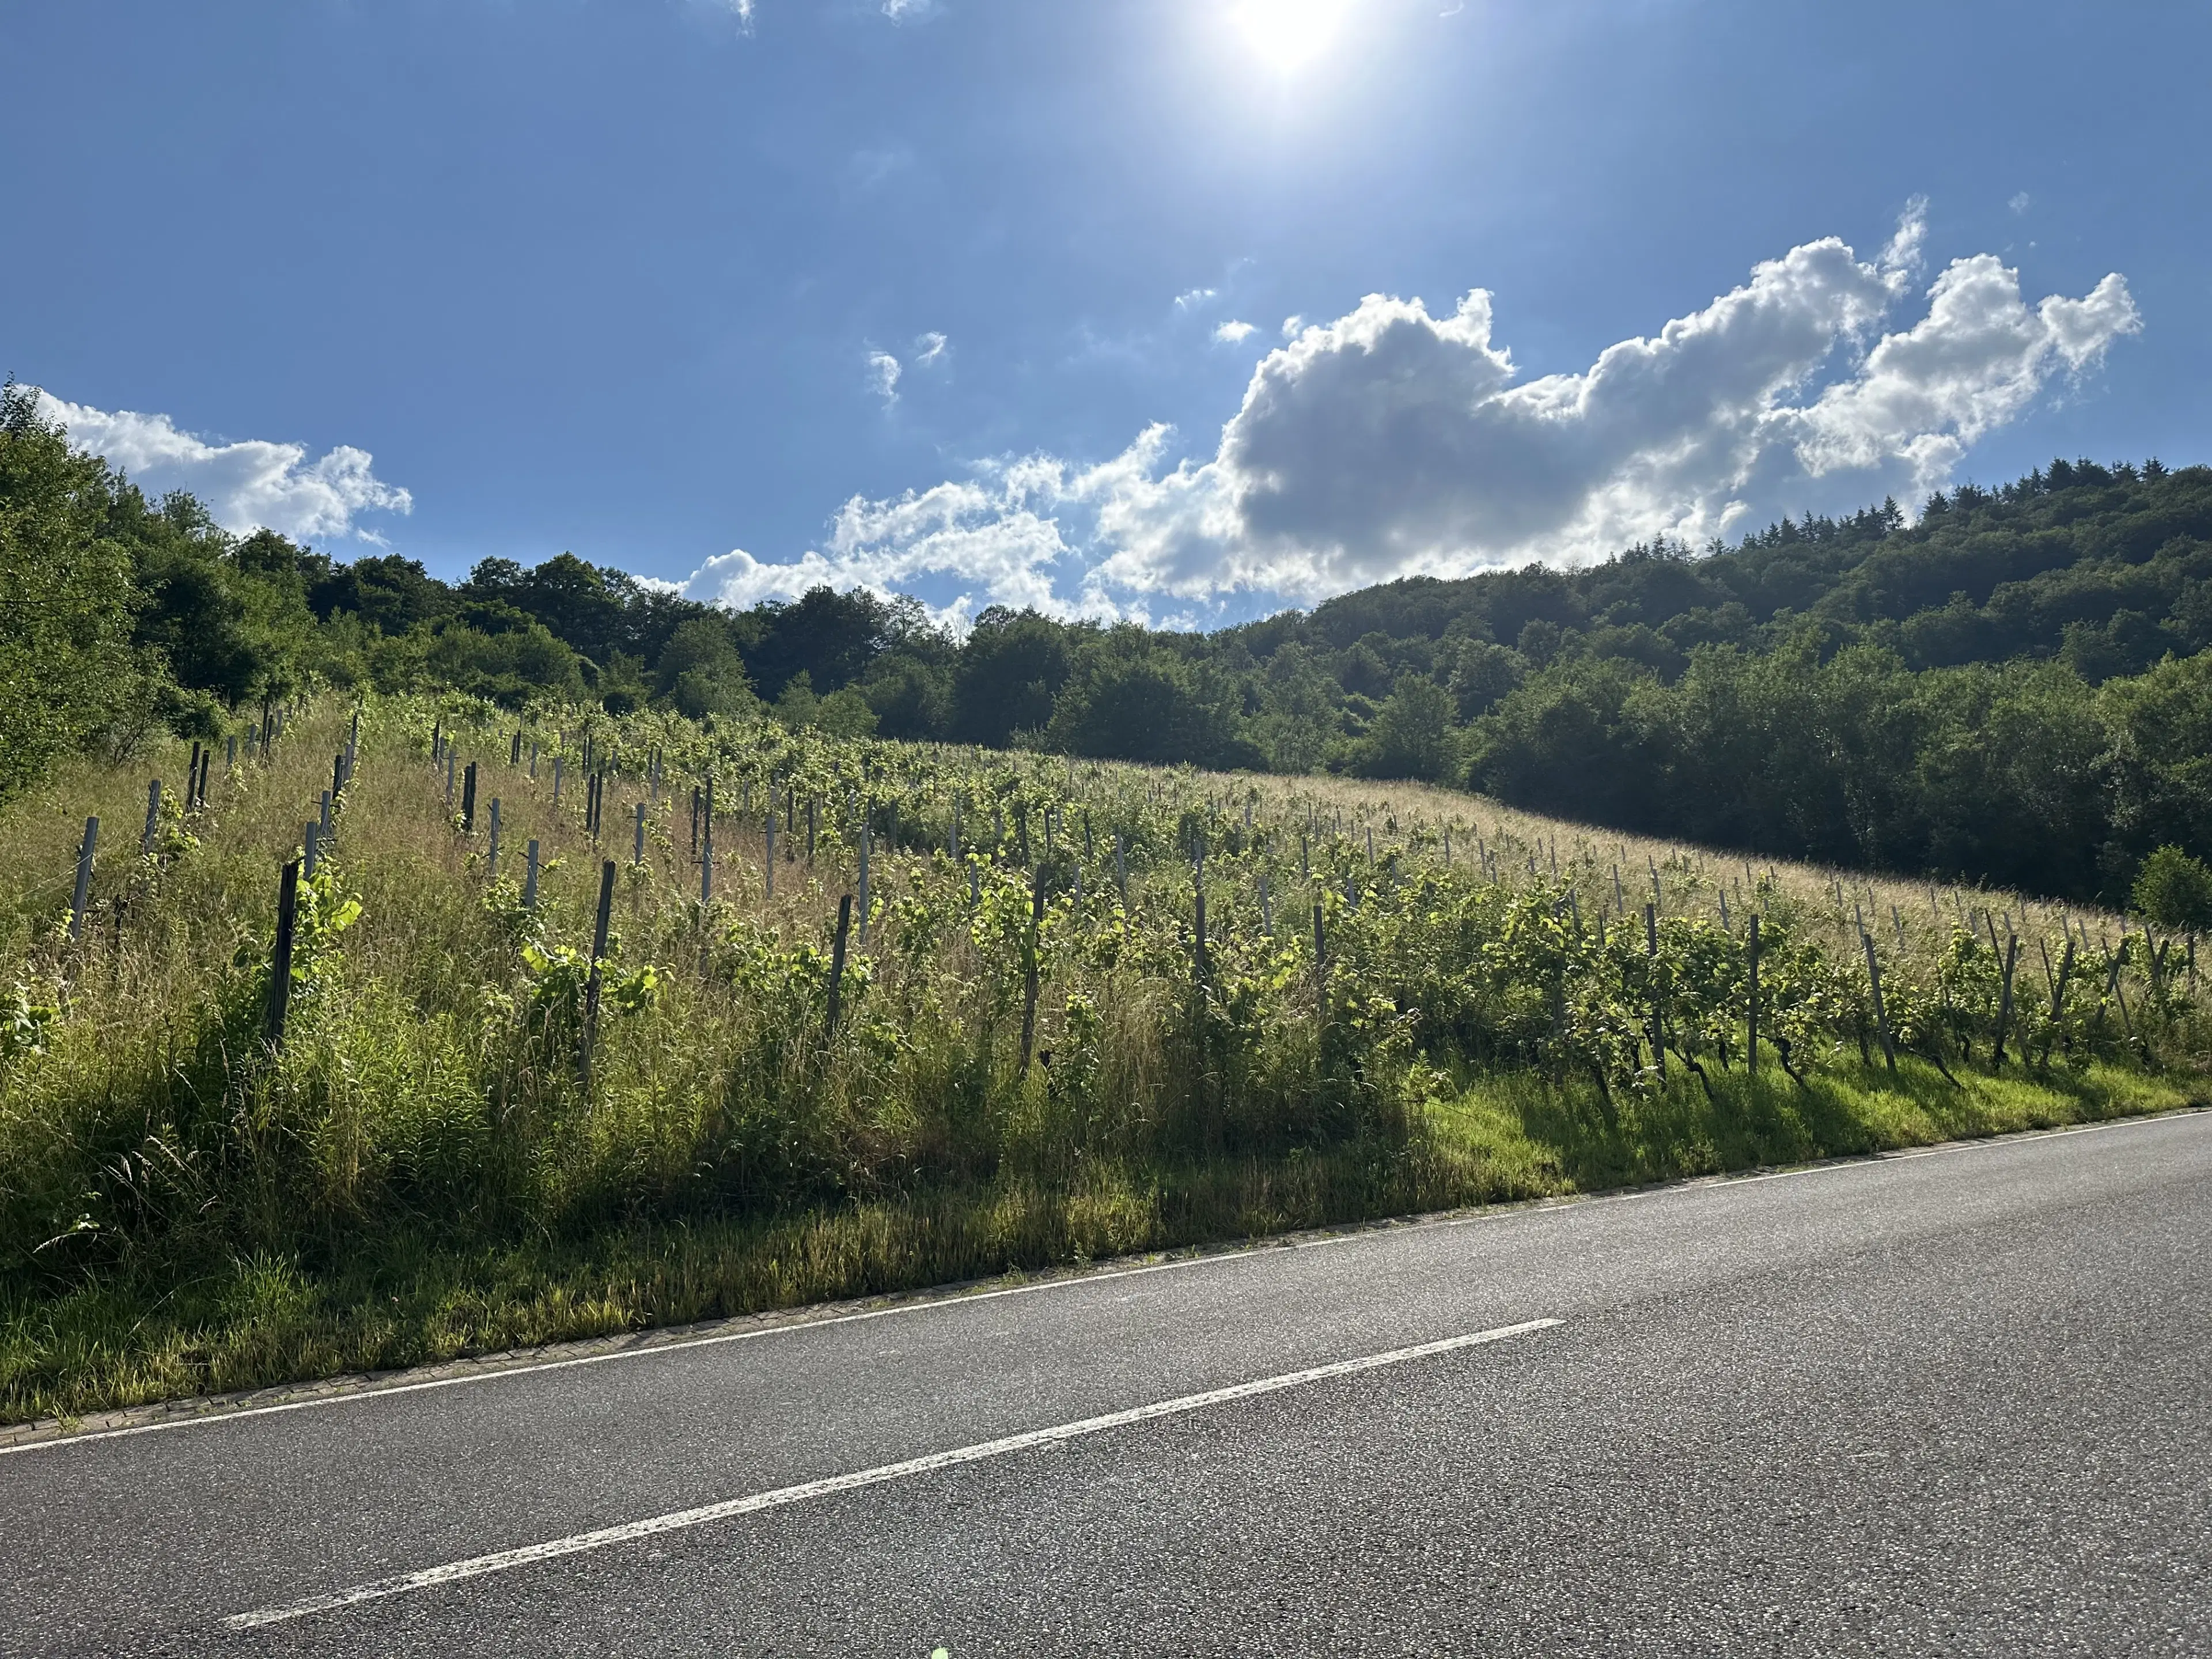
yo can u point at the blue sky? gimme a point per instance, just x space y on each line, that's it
986 299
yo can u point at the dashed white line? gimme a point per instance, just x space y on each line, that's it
682 1520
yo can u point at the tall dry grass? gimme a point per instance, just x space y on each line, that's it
424 1167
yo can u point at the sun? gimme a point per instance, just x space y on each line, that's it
1290 33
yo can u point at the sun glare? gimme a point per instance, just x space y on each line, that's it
1289 34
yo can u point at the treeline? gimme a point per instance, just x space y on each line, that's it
2016 687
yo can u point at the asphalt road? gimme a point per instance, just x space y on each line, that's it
1947 1404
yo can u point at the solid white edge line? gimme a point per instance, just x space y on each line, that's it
641 1351
682 1520
1258 1251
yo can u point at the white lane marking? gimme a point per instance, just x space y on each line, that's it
681 1519
1258 1252
494 1374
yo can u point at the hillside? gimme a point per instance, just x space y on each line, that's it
2014 688
872 1015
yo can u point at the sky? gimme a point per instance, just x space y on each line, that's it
1183 311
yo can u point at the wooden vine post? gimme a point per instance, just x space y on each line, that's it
1320 974
706 847
1197 933
1651 950
1030 967
2004 998
1880 1012
86 848
2058 995
592 984
864 839
837 963
1751 1065
280 957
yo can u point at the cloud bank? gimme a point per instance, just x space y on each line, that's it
1393 441
247 485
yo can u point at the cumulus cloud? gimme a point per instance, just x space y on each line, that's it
1394 441
990 532
884 373
1233 332
1191 298
248 485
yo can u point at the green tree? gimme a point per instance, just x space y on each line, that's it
1130 701
843 713
912 697
515 669
67 598
1010 668
1412 735
2174 891
701 673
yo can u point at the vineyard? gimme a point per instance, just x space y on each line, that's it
369 1036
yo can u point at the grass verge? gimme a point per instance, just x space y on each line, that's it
410 1297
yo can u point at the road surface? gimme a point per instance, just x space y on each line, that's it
1952 1403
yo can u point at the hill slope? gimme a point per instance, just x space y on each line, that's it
890 1015
2014 688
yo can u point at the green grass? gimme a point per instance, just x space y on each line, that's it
422 1173
404 1299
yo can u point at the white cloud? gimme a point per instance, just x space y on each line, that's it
899 11
929 347
1905 251
2021 203
1392 441
247 485
740 10
883 376
1233 332
988 531
1191 298
1292 325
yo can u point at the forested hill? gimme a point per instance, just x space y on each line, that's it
2016 686
2105 566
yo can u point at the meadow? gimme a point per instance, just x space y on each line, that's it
1072 1010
